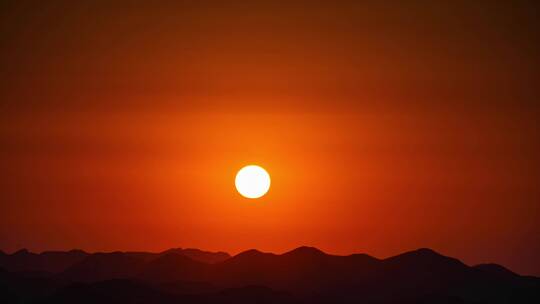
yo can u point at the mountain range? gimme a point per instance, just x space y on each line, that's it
303 275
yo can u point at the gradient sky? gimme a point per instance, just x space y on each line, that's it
384 127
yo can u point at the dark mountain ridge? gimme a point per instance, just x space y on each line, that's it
59 261
305 274
47 261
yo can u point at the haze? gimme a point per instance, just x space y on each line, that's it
384 128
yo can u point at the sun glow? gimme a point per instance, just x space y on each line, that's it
252 181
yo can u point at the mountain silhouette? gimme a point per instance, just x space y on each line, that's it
48 261
200 255
497 270
103 266
302 275
172 267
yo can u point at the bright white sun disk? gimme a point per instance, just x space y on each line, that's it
252 181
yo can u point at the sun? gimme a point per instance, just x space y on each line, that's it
252 181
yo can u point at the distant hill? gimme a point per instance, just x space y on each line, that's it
302 275
58 261
48 261
200 255
103 266
172 267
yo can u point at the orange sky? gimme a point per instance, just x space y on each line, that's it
384 128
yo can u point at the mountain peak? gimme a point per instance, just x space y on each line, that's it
425 258
305 251
77 251
172 250
426 252
249 253
199 255
22 251
195 250
420 253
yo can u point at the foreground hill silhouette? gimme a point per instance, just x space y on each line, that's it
303 275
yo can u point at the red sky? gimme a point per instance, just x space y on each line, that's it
384 127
